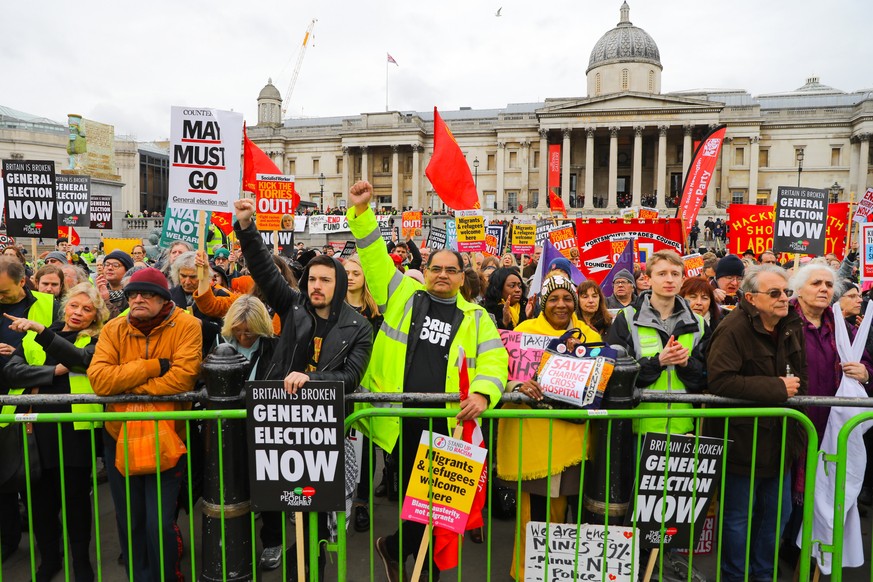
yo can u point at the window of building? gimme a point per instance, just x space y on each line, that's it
651 81
513 160
675 184
512 201
625 76
764 158
489 164
533 198
739 156
738 196
358 163
597 84
763 198
316 165
339 164
535 160
154 175
835 156
292 167
386 164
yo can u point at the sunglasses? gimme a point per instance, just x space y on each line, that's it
144 294
776 293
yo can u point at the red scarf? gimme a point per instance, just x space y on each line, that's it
146 326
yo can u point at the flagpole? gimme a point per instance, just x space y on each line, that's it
386 82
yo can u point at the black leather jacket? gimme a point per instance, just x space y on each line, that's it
345 351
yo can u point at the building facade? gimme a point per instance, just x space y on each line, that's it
625 144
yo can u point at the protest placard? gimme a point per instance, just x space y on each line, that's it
205 153
579 554
866 252
648 213
543 228
436 238
101 212
300 224
494 239
865 207
349 249
689 469
29 191
693 265
451 234
286 241
572 380
181 224
525 353
275 199
296 446
443 482
328 223
120 244
72 193
564 240
412 224
470 231
801 219
523 237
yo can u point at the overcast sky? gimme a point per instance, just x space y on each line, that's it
125 63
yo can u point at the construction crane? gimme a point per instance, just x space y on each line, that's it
296 72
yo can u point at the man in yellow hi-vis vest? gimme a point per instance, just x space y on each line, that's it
16 300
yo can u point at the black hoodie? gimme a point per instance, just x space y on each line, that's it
348 341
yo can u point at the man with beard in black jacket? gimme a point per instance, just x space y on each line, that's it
322 337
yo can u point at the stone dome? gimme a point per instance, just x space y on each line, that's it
625 43
269 91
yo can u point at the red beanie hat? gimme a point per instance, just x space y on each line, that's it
149 279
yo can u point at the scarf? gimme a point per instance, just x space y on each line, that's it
514 310
146 327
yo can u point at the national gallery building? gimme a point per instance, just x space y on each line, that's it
625 144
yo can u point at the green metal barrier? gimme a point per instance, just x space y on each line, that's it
496 563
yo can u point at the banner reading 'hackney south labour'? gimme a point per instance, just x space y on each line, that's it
206 147
751 227
699 176
29 190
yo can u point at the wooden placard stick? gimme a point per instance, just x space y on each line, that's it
201 238
298 527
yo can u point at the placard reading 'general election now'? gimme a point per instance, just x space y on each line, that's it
72 194
101 212
29 191
689 469
801 219
295 445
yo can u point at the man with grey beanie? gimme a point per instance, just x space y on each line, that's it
622 290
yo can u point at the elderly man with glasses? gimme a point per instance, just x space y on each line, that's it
115 265
757 353
728 275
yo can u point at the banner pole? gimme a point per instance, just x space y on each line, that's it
33 252
276 242
201 237
298 527
851 225
650 567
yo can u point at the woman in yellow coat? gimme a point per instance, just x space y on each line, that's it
568 441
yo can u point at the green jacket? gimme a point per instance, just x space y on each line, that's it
487 359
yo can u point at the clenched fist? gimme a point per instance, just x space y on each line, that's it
360 195
245 209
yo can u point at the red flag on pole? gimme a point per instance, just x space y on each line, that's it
69 233
445 542
255 162
448 170
699 176
556 204
223 220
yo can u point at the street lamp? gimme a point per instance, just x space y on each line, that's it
476 172
836 190
321 184
799 165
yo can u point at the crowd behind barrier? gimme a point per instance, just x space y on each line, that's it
104 381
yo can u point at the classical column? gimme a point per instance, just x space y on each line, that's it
753 170
662 165
686 148
543 196
613 168
395 177
565 167
637 179
416 177
854 148
724 164
523 197
365 164
862 164
347 171
501 155
589 168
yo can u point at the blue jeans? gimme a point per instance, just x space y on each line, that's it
764 536
146 529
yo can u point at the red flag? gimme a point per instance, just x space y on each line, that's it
699 176
255 162
448 170
223 220
445 542
556 204
391 59
69 233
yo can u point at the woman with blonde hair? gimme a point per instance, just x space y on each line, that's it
287 222
53 360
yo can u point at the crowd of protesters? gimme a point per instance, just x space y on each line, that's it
395 318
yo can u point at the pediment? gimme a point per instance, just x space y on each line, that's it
623 102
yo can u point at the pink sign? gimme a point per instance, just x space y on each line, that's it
525 353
